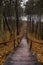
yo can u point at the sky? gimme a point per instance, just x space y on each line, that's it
22 3
25 1
25 17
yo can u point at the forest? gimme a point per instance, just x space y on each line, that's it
16 17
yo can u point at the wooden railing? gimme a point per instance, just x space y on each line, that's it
34 39
37 44
7 47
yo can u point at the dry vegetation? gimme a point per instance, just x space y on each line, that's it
6 49
37 47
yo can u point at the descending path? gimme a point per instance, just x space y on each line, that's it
22 56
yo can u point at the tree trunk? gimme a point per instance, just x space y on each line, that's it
39 29
17 17
2 29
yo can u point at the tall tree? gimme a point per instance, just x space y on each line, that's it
39 5
35 8
18 13
29 12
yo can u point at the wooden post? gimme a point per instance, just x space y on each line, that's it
14 43
31 45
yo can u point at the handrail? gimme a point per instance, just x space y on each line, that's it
11 40
34 39
34 48
5 42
